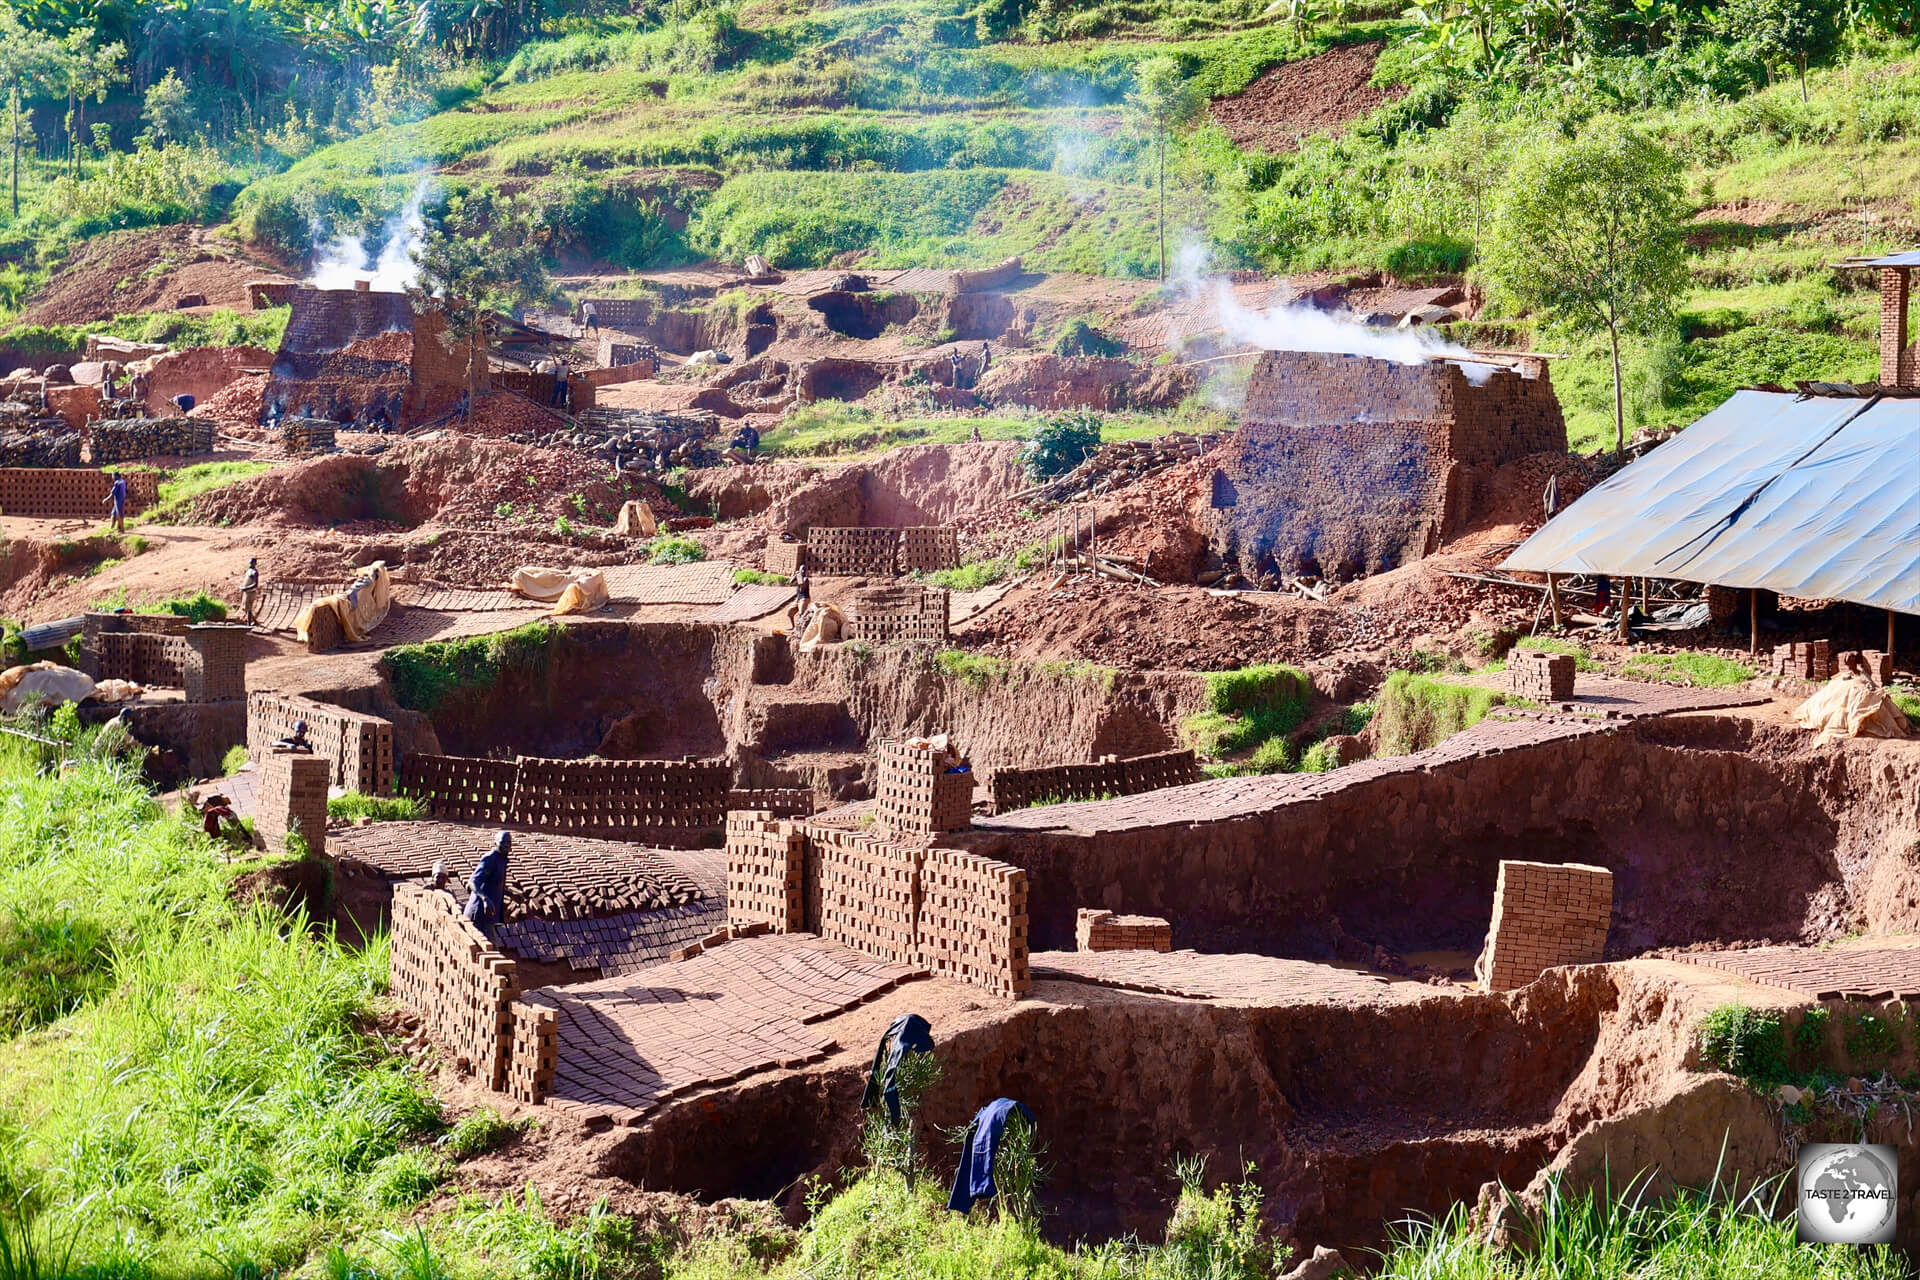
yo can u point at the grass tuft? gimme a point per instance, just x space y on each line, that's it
1414 711
1702 670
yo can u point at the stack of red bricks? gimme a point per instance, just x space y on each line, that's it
973 921
926 548
852 553
46 493
1017 788
1545 915
359 747
1877 664
306 435
292 796
1099 930
673 801
899 614
785 558
129 439
923 790
864 891
1540 676
142 657
461 788
766 863
215 663
1804 660
533 1056
464 990
781 802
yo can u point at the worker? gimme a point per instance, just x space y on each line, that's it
117 503
802 596
953 369
487 887
976 437
219 821
986 356
1602 593
747 440
297 740
591 314
464 409
250 587
559 398
184 402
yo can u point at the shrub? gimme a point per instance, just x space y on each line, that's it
1063 442
759 578
195 608
971 576
673 549
1748 1043
404 1179
1251 711
1080 338
1415 712
1220 1235
233 762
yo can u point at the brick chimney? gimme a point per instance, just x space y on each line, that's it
1896 355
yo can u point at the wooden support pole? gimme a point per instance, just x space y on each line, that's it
1553 599
1626 606
1646 596
1753 620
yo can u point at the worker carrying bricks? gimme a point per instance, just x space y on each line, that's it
802 596
250 587
117 503
487 887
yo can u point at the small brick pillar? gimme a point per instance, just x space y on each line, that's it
216 665
919 794
1545 914
1097 930
1804 660
1540 676
1896 363
293 796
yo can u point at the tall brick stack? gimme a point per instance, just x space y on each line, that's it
1099 930
899 613
1804 660
766 863
1109 776
293 797
47 493
142 657
359 747
534 1054
863 891
1898 364
852 553
973 921
464 990
1879 665
215 665
460 788
923 791
926 548
1540 676
674 801
785 558
1544 915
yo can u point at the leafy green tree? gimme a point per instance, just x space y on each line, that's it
168 112
1063 442
1163 102
473 267
86 69
29 62
1795 31
1588 232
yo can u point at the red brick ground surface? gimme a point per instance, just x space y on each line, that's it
1822 973
625 1045
1263 980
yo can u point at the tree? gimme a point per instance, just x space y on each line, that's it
86 70
471 267
28 60
1163 101
167 111
1588 232
1796 31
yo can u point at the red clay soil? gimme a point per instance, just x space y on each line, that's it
237 403
116 274
1323 94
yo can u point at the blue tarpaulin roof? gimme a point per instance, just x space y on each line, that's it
1810 496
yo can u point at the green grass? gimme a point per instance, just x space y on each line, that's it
1582 660
1247 717
196 608
233 762
354 806
1703 670
972 576
671 548
220 328
1908 700
480 1131
425 675
1415 711
759 578
976 670
179 489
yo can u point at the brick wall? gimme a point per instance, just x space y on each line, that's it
215 662
1545 914
292 791
661 801
464 990
1897 359
197 372
899 613
925 548
141 657
781 802
1098 930
766 863
1541 676
852 553
785 557
973 921
46 493
533 1056
617 312
461 788
1018 788
307 435
918 797
1806 660
863 891
359 748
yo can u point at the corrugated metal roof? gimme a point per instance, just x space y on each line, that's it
1815 497
1905 258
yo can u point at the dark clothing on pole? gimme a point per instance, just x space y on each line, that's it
908 1034
978 1150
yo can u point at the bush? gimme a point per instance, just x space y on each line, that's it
196 608
1415 712
1063 442
233 762
1220 1235
404 1179
1080 338
1250 712
759 578
971 576
673 549
1748 1043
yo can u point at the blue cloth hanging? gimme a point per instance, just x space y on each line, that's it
978 1149
908 1034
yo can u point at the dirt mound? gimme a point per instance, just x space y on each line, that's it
459 480
147 270
236 404
1317 95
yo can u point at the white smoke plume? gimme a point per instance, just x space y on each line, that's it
349 259
1292 327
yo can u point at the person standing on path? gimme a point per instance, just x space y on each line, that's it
117 503
250 587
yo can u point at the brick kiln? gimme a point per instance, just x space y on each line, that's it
347 351
1345 465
